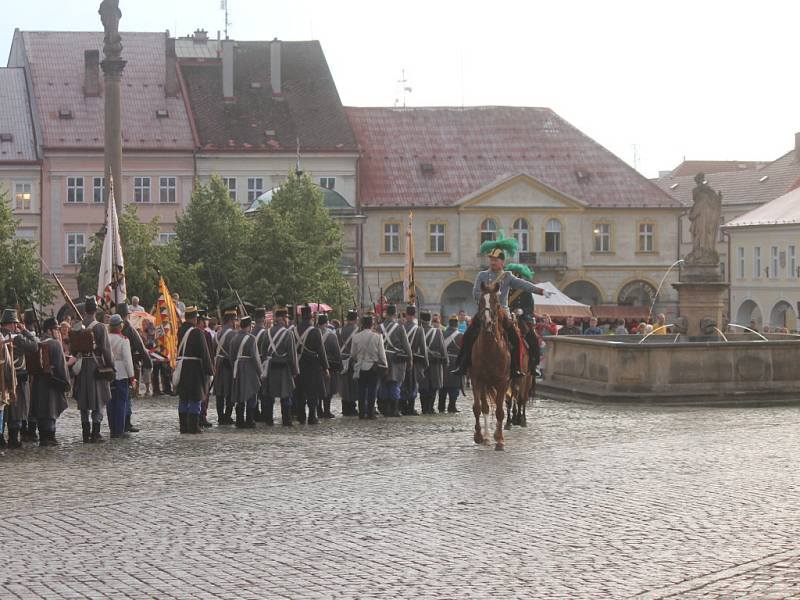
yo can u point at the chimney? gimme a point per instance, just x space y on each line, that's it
171 64
797 146
200 36
227 70
91 77
275 66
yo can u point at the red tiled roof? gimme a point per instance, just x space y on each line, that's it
436 156
15 118
56 61
309 107
741 187
693 167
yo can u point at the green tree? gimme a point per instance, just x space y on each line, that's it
213 234
22 279
295 247
142 254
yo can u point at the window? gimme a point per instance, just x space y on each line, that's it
757 262
391 237
166 237
647 239
74 189
141 189
230 182
23 197
740 262
25 233
520 233
488 230
552 236
436 237
328 182
602 237
773 262
255 187
99 189
792 264
76 246
166 190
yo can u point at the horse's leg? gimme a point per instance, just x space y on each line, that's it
477 393
500 441
509 406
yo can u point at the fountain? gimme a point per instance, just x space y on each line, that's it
699 364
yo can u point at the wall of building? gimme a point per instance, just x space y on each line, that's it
29 218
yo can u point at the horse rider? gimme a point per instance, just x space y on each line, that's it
522 305
497 251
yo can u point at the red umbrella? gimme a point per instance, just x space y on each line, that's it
317 308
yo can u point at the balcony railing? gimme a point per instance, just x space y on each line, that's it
544 260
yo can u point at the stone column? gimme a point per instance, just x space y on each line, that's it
112 76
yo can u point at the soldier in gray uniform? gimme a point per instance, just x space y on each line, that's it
432 377
260 333
453 383
419 353
281 366
334 354
246 374
24 342
398 353
313 361
496 273
48 390
93 391
223 368
348 387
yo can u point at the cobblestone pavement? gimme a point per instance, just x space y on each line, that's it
587 502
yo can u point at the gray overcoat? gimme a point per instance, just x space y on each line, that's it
348 387
433 376
453 340
282 366
24 342
246 367
334 354
416 339
48 392
223 380
92 393
398 350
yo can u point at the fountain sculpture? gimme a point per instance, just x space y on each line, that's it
698 365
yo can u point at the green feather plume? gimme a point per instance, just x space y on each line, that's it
519 270
507 245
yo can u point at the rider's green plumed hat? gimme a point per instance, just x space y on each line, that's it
502 247
519 270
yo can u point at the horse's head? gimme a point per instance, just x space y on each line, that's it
489 305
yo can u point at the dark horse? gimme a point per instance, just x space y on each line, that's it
491 363
521 389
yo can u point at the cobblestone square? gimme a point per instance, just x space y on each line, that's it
587 502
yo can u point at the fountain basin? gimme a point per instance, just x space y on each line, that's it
673 369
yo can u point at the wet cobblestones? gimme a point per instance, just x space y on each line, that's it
587 502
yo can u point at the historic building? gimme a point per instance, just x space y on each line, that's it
20 165
765 272
583 218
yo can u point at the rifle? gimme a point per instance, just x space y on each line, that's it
238 298
62 289
371 301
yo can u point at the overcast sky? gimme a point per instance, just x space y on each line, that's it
704 79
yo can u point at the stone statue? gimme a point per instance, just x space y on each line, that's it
704 216
110 15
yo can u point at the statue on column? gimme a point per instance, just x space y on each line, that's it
705 220
110 15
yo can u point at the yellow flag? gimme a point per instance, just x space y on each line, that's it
167 324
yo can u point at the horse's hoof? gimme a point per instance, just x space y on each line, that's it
507 426
499 447
478 438
523 424
485 441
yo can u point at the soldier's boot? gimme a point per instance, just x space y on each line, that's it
286 412
300 411
28 433
312 412
249 416
51 438
183 422
86 428
465 353
451 407
193 423
320 409
204 422
327 414
240 415
96 438
228 410
255 412
129 427
13 438
442 400
370 410
268 410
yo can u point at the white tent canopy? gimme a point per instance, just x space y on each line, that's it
558 304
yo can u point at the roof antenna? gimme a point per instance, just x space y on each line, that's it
224 6
404 88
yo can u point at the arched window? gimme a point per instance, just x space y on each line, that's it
488 230
521 234
552 236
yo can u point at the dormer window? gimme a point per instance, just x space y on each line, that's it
162 113
64 114
6 137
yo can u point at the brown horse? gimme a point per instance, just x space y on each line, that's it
491 362
521 390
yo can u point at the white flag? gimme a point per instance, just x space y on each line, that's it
111 280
